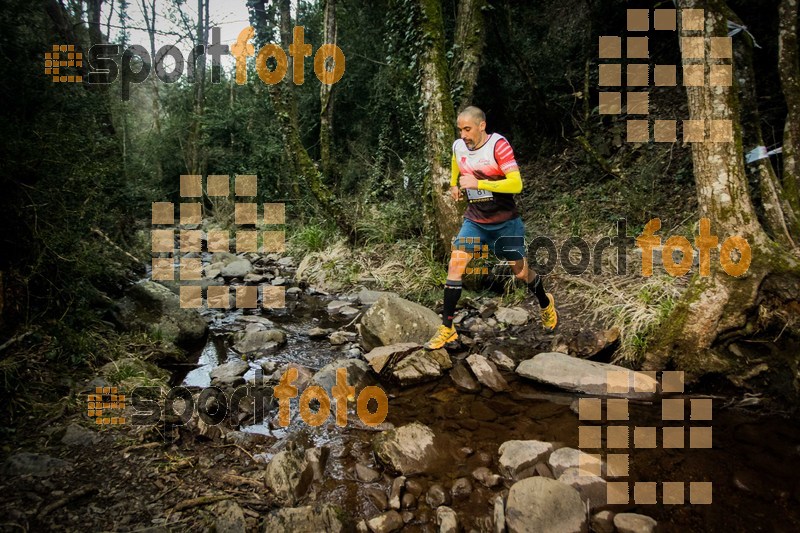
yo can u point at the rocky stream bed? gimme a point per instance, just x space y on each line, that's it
482 436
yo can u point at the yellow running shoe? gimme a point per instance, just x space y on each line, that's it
549 314
442 337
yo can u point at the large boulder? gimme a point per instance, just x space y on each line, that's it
33 464
237 268
230 374
409 449
151 307
634 523
393 320
565 458
288 475
305 519
570 373
538 504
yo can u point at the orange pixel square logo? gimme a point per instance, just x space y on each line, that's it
103 400
170 257
698 51
61 57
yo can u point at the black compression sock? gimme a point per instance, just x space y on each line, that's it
452 292
537 288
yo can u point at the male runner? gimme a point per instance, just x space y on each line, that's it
490 176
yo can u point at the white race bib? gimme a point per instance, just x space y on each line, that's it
479 195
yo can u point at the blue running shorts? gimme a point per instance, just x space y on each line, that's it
506 240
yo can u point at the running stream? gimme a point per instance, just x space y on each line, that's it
754 464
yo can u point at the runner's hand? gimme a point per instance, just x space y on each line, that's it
455 192
468 181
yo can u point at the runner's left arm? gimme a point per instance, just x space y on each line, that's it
512 183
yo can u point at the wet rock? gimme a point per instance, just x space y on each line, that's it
368 297
564 458
392 320
230 374
229 517
308 518
291 291
485 477
514 316
591 488
408 501
414 487
263 322
337 338
486 373
150 306
318 333
317 458
253 278
236 269
499 515
537 504
304 375
463 379
634 523
437 496
476 325
366 474
377 497
286 262
574 374
485 458
335 306
386 522
33 464
408 516
357 372
380 356
420 366
408 449
518 458
279 281
348 311
447 520
77 435
602 522
462 488
502 361
353 353
396 490
288 475
249 341
589 342
487 310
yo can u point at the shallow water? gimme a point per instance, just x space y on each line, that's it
754 464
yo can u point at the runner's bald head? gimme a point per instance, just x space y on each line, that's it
474 113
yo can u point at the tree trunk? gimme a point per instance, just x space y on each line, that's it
326 98
719 308
285 104
778 216
439 121
149 12
470 39
789 70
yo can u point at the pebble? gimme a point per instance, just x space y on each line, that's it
437 496
462 488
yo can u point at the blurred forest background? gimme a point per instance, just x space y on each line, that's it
359 174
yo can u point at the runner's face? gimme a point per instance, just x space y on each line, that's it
471 131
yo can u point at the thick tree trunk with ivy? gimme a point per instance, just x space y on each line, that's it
439 121
778 217
717 310
285 104
470 38
326 97
789 70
